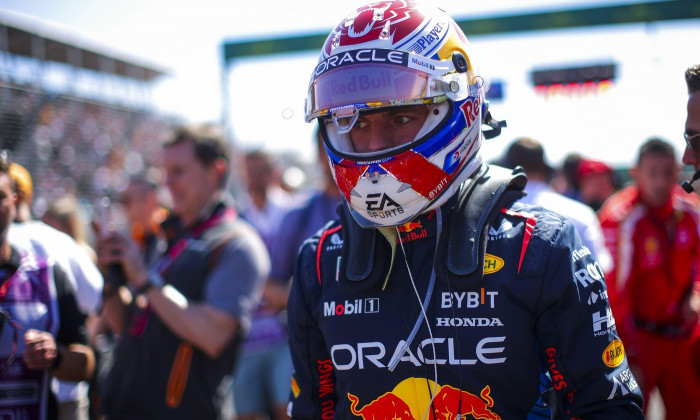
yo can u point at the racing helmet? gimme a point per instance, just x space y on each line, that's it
395 54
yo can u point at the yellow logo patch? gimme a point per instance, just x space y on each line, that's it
492 263
614 354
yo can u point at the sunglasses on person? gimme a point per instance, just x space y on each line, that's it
693 141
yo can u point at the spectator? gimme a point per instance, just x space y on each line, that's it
41 327
82 274
596 182
302 221
564 181
265 203
261 379
144 215
651 229
181 323
435 295
63 214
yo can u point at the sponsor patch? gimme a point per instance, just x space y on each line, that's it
624 384
410 231
335 242
614 354
411 399
468 299
595 296
354 307
505 230
471 109
492 263
577 254
603 323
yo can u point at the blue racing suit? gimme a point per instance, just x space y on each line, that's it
424 340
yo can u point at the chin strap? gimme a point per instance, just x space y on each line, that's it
496 126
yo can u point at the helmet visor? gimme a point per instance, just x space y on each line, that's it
370 86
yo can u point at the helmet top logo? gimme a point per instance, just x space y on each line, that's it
370 21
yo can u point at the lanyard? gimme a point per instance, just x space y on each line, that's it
5 317
140 318
219 217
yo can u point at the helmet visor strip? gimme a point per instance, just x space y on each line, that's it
363 85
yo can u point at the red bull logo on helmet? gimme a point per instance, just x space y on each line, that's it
471 109
413 399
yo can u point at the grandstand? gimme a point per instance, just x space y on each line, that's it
77 116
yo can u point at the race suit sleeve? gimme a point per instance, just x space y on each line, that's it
313 394
577 336
620 244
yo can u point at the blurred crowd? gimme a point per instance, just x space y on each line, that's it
76 147
70 154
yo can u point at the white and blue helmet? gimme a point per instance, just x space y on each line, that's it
398 53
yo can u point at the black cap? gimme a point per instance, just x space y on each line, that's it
528 153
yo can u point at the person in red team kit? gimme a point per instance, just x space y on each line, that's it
651 229
437 295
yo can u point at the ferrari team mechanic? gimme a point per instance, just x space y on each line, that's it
434 296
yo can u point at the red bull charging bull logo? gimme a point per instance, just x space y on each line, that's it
410 231
411 399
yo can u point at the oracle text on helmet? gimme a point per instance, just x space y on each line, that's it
361 56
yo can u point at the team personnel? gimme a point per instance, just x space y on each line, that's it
80 271
692 157
435 296
692 122
181 322
651 229
42 331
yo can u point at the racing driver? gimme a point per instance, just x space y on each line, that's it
435 295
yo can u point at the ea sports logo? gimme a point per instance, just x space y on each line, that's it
379 201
